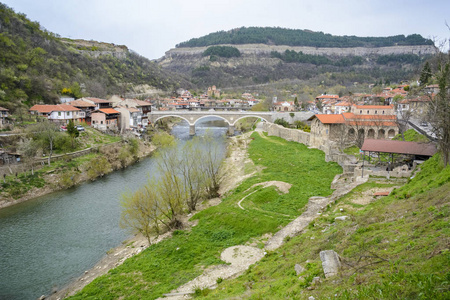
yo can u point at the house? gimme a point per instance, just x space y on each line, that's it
105 119
86 107
130 117
342 107
60 113
327 97
284 106
432 89
371 121
99 103
3 116
372 109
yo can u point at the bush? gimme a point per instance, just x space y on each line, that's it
282 122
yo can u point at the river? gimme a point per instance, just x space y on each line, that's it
49 241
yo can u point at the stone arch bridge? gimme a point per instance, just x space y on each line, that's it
231 117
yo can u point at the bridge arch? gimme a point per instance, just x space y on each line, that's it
166 116
250 116
217 116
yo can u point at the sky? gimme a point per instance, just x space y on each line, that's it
152 27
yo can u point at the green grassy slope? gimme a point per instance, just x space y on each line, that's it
173 262
394 248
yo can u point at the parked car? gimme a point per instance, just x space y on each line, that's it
424 124
63 128
80 128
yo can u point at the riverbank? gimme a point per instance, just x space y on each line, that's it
61 176
233 174
263 210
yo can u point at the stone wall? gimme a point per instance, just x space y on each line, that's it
298 116
347 162
286 133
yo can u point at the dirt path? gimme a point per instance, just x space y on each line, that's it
261 134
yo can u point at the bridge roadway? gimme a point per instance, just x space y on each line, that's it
231 117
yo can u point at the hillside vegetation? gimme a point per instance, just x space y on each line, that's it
38 66
298 37
394 247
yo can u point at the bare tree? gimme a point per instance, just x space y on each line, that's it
439 105
191 171
439 111
45 133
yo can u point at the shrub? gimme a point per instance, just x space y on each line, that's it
282 122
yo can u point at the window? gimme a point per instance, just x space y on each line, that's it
101 122
383 112
59 114
375 112
367 112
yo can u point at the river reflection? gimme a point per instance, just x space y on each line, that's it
49 241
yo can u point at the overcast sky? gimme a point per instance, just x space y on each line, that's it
151 27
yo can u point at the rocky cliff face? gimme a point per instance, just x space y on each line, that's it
261 49
256 65
96 49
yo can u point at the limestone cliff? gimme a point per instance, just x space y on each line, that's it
257 64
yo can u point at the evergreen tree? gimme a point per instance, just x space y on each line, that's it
72 131
425 75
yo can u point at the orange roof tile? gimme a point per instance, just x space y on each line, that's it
327 97
108 111
330 119
48 108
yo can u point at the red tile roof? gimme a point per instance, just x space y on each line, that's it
331 119
327 97
108 111
3 109
142 103
46 108
81 103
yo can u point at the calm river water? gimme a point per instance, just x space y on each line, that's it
49 241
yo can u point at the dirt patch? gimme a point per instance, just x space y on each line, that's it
283 187
367 197
233 173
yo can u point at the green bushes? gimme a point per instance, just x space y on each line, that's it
222 51
282 122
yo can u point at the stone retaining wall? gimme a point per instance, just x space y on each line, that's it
288 134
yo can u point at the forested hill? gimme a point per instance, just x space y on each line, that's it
298 37
38 66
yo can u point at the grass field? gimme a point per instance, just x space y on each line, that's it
393 248
173 262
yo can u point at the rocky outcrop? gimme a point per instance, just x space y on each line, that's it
331 262
261 49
